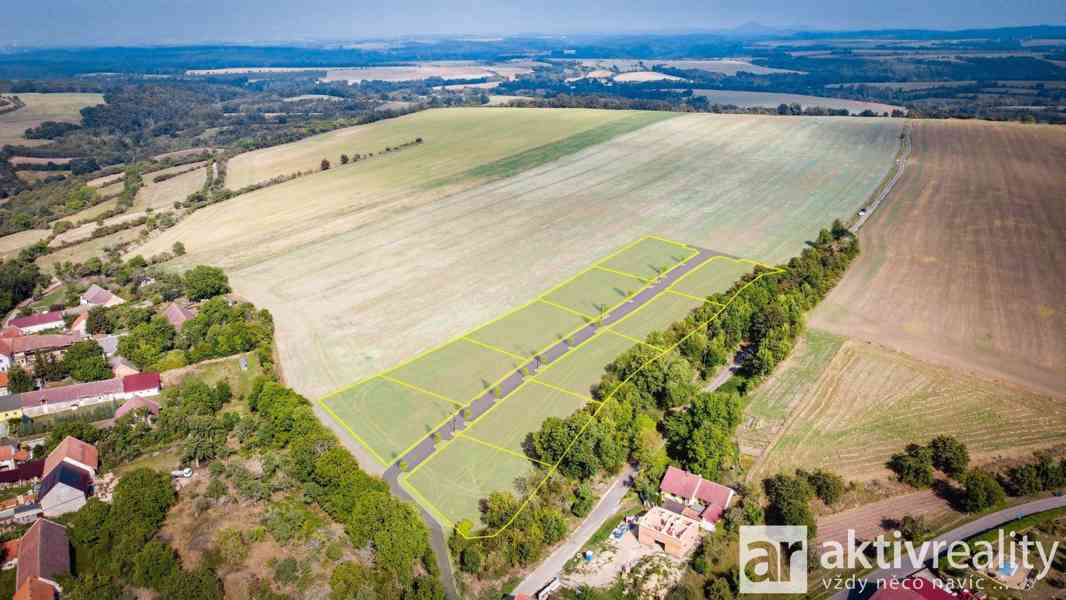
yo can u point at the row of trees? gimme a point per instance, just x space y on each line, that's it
978 489
764 314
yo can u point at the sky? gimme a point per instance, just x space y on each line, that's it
103 22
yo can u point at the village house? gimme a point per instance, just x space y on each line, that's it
21 350
177 314
39 322
98 296
43 557
64 489
11 456
690 495
50 400
75 452
10 408
122 367
151 408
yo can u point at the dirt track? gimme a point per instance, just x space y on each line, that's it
963 264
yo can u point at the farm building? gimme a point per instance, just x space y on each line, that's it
64 489
43 557
177 314
676 534
39 322
694 497
98 296
21 350
75 452
50 400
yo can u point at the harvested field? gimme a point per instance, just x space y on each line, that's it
642 76
106 180
30 160
773 100
454 142
963 265
907 86
848 406
163 195
11 244
426 70
497 205
39 108
728 66
182 153
32 177
94 211
89 248
85 231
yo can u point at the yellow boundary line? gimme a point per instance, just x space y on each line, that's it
464 337
524 359
631 338
467 436
563 390
420 390
689 296
643 280
569 310
595 414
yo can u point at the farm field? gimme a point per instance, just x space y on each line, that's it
163 195
392 411
89 248
11 244
849 405
355 262
773 100
974 224
39 108
85 231
642 76
728 66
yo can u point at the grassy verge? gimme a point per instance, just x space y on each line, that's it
1018 525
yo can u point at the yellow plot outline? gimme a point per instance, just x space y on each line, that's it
403 478
465 337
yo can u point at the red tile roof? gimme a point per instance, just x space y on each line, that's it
32 343
693 488
140 382
135 403
3 379
7 452
38 319
916 588
74 449
71 393
44 551
10 331
35 589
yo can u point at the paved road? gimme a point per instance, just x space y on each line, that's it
610 504
972 528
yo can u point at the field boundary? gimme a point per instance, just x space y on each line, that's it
403 477
466 336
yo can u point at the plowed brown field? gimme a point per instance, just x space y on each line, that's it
963 265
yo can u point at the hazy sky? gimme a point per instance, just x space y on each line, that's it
74 22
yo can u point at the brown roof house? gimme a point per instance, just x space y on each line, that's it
177 314
98 296
20 350
694 497
44 556
675 534
35 589
76 452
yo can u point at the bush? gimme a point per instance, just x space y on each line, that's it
913 466
980 492
202 282
949 455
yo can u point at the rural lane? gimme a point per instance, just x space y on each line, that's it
970 529
609 504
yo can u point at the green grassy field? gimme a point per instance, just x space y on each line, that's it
387 416
355 263
459 371
529 330
462 474
595 292
40 108
713 277
506 425
582 367
650 258
656 315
